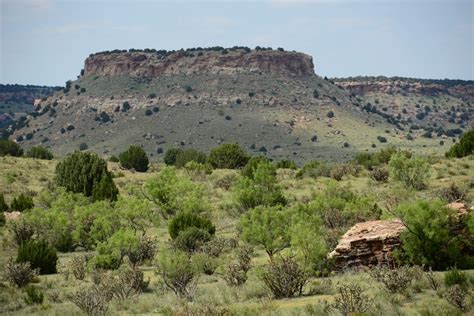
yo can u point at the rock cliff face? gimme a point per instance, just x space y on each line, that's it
367 244
422 87
151 64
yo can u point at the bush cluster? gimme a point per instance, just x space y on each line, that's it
134 158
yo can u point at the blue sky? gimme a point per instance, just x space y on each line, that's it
46 41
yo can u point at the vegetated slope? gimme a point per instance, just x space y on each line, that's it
18 100
271 102
430 107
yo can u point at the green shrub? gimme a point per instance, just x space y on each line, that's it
187 155
463 148
228 156
152 96
179 273
80 172
351 300
395 280
367 160
105 189
456 296
284 277
252 165
134 158
10 148
22 203
435 237
338 171
412 172
39 254
185 220
286 164
171 155
39 152
236 272
18 274
261 190
314 169
148 112
454 276
110 253
191 239
33 295
3 204
266 226
173 193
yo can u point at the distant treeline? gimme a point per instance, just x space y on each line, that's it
445 82
27 88
164 52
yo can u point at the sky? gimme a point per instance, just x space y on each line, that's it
45 42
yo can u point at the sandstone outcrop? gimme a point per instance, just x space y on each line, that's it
367 244
152 64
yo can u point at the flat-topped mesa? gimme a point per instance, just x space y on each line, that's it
154 64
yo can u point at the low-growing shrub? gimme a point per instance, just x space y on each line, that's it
21 230
351 299
33 295
251 166
236 272
411 171
39 152
228 156
379 174
134 158
18 274
185 220
456 277
188 155
10 148
78 267
395 280
22 203
39 254
92 300
456 296
337 172
284 277
191 239
453 193
178 272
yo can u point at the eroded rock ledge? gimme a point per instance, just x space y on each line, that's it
149 64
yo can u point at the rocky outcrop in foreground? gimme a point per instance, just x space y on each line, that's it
367 244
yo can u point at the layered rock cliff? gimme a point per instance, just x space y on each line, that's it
153 64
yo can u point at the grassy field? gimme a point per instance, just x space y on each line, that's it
214 296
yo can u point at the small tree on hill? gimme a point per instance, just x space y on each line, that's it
79 172
10 148
228 156
171 155
464 148
105 189
134 158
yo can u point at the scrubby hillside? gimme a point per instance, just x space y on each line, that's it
269 101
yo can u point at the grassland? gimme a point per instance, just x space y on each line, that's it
24 175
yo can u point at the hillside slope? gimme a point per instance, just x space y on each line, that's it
271 102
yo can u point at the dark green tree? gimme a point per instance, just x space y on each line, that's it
80 171
228 156
134 158
464 148
187 155
185 220
171 155
10 148
39 254
39 152
105 189
22 203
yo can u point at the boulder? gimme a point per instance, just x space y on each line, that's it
367 244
